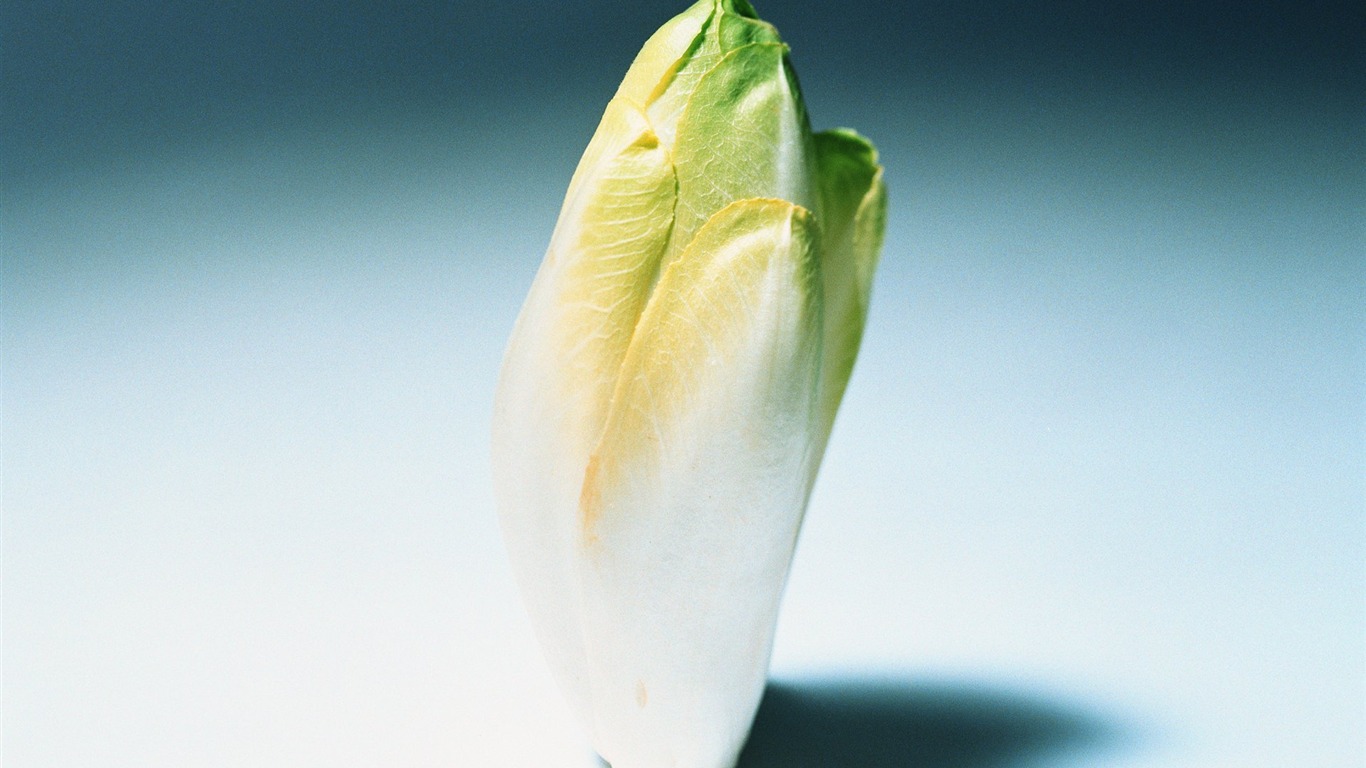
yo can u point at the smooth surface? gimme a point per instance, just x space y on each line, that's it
1095 497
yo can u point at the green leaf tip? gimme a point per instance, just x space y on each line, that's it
739 7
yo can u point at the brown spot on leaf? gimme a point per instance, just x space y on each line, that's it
590 499
642 695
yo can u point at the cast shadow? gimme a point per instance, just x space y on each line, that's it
881 723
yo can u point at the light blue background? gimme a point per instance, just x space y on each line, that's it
1103 449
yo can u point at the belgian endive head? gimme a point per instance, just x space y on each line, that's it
672 380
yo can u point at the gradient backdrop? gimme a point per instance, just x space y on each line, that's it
1095 496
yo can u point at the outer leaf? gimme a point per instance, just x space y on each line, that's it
668 50
853 215
691 504
725 30
665 73
743 135
561 366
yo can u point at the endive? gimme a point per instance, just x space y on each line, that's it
671 383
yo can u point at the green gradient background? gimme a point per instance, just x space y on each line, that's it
1104 446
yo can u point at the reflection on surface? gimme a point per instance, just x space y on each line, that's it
874 723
